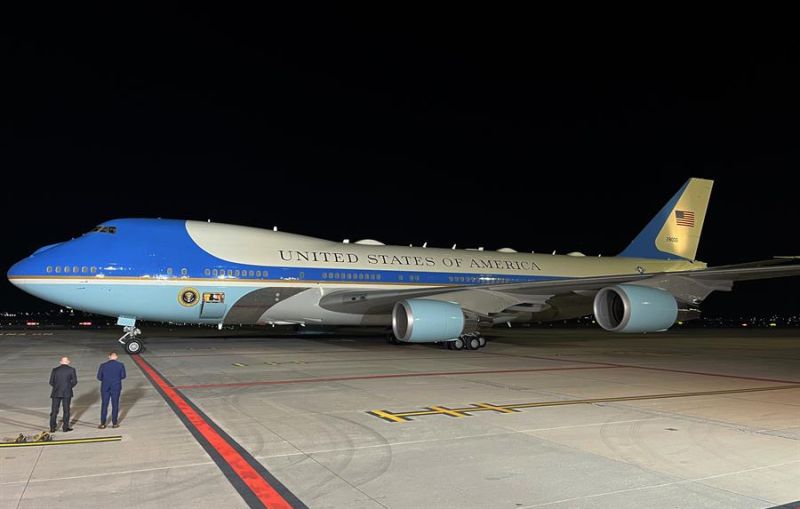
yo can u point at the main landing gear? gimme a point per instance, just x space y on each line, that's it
468 341
129 339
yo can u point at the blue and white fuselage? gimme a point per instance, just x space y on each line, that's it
199 272
202 272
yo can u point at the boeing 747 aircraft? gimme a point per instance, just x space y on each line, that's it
202 272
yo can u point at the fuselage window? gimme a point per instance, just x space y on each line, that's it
302 275
75 269
215 272
84 269
169 271
207 272
236 272
324 275
265 273
336 275
251 273
49 269
230 272
94 270
66 269
58 269
184 272
378 277
361 276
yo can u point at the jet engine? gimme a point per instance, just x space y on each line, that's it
633 308
427 320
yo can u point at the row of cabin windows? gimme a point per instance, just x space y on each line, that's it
351 276
71 269
468 279
411 277
74 269
235 273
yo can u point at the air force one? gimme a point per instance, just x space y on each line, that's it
208 273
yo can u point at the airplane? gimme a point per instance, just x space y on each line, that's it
208 273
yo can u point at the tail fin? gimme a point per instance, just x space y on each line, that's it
675 231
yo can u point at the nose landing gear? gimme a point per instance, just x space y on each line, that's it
129 340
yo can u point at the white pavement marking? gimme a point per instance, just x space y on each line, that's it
104 474
662 485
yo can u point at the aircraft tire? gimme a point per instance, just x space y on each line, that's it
134 347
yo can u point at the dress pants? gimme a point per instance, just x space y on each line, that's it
64 402
112 396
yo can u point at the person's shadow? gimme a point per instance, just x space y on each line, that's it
129 399
81 404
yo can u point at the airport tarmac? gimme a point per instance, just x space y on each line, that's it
539 418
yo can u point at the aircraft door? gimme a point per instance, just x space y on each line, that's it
213 305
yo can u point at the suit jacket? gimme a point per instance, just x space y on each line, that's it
110 375
63 379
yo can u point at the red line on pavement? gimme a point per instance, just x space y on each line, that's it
259 486
374 377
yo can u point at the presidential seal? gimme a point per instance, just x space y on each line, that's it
188 297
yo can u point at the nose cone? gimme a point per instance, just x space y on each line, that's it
16 271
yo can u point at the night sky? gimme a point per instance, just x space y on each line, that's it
478 128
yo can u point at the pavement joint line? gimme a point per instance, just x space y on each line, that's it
118 472
654 368
390 416
451 438
662 485
385 375
72 441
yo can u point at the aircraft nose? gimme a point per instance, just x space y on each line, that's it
15 271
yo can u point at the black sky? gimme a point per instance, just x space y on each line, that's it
497 129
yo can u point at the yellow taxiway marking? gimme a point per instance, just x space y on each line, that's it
448 411
515 407
116 438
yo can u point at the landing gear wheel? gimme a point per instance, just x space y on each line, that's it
482 341
473 343
456 344
134 346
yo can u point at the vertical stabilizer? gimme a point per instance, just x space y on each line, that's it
675 231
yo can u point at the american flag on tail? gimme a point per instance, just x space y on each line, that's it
684 218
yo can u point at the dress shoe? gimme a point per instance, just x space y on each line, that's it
115 425
52 430
66 429
102 426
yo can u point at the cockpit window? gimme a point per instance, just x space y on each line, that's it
104 229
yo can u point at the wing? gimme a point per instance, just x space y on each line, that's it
688 287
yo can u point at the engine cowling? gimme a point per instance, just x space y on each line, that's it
632 308
427 320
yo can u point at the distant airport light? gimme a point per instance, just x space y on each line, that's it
31 324
745 324
85 324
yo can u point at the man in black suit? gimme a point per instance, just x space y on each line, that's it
62 379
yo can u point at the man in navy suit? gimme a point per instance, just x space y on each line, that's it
62 380
110 375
